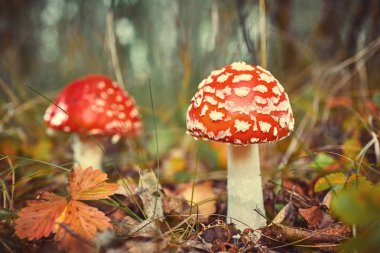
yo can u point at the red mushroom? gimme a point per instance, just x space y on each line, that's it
241 104
97 106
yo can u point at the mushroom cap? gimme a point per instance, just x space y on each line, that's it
96 105
240 104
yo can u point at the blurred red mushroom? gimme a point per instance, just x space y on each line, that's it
241 104
93 105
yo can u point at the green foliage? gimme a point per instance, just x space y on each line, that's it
329 181
322 160
360 206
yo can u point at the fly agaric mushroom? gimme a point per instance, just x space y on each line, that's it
241 104
97 106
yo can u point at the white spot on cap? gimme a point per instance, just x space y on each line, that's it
219 94
204 110
209 89
276 91
109 113
223 134
260 100
103 95
291 124
100 102
101 85
217 72
260 88
203 83
241 66
275 131
275 99
215 115
95 131
264 126
66 129
198 98
242 126
242 77
283 121
210 100
121 115
268 78
223 78
195 125
237 141
119 98
255 140
110 91
59 118
209 80
242 91
283 106
134 113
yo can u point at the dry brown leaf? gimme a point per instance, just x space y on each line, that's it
204 197
89 184
316 217
38 219
84 221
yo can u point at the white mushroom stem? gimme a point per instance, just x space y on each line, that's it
244 186
87 153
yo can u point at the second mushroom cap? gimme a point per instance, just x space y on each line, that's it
240 104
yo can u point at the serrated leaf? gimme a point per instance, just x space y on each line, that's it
74 222
38 219
82 220
329 181
322 160
89 184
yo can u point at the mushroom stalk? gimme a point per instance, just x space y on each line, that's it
87 153
244 186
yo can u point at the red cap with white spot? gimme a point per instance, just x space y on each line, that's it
98 104
240 104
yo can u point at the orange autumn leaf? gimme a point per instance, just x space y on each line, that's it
38 219
83 220
74 222
89 184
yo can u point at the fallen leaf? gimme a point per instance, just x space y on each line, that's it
329 181
203 197
316 217
74 222
286 214
38 219
89 184
83 221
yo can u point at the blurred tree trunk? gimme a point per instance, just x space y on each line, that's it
327 41
374 33
356 25
18 39
282 14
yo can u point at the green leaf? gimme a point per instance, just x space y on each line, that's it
357 205
329 181
322 160
7 214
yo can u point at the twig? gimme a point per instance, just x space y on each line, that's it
76 235
263 35
111 44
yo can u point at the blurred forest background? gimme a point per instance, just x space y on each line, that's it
317 49
325 53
